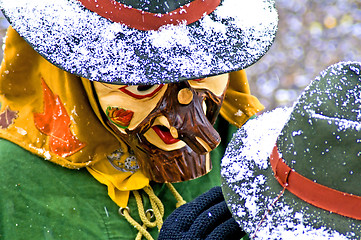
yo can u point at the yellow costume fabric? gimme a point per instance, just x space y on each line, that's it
54 114
239 105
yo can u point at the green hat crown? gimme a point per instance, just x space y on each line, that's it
322 139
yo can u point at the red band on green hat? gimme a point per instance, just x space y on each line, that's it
318 195
142 20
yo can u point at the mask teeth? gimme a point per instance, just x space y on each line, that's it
204 144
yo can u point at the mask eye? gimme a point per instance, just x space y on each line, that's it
141 91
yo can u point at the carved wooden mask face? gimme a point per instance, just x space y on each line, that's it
169 127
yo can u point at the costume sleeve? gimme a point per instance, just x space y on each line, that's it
239 105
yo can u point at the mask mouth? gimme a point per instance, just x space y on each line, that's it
165 134
160 135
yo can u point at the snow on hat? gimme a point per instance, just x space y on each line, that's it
145 41
295 173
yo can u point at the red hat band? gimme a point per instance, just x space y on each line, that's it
143 20
318 195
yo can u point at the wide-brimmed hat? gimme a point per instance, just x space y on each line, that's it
295 173
146 42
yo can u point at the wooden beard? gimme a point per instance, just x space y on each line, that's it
173 142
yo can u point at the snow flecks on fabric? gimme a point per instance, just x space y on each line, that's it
245 180
247 9
297 133
352 97
240 147
41 151
236 169
239 113
83 43
299 232
21 131
341 123
331 101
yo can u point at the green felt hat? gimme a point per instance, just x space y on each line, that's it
295 173
146 41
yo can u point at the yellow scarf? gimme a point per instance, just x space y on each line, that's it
54 115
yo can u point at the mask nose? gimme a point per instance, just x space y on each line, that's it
191 123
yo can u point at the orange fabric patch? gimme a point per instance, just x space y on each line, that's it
55 122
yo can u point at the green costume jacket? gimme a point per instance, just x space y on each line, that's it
41 200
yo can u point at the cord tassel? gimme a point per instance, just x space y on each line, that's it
157 211
142 230
178 197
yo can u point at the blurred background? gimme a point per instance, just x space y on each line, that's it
312 35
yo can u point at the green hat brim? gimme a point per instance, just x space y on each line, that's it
251 188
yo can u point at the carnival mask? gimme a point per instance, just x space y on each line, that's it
168 127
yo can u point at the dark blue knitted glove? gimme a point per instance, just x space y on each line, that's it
206 217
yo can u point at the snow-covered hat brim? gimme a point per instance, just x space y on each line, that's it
80 41
251 189
267 210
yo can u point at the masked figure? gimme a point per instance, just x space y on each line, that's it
127 91
175 133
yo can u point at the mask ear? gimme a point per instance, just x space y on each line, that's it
239 105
